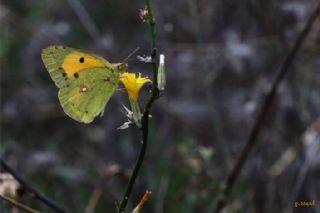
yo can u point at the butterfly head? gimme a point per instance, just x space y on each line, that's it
121 67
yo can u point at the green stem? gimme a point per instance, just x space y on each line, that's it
153 36
136 112
145 116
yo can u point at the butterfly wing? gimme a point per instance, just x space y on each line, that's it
86 81
83 98
63 63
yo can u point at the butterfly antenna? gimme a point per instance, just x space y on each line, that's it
131 54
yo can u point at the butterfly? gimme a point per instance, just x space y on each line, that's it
86 81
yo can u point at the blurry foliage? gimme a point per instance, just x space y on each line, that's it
220 57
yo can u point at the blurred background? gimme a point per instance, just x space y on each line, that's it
221 57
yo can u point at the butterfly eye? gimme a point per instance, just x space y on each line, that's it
123 67
81 59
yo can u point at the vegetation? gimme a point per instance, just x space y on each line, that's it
236 128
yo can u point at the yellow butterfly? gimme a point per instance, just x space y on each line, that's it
85 81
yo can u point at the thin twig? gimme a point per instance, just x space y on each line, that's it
85 19
107 173
145 117
95 196
143 200
264 111
35 193
18 205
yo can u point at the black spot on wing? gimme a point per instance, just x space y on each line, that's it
76 75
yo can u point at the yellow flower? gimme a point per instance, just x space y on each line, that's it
133 84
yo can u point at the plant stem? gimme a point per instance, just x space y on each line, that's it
145 117
35 193
18 205
258 123
153 37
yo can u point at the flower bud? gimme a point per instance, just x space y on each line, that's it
161 78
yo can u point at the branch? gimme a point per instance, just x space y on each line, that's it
143 200
145 117
85 19
264 111
18 205
95 196
35 193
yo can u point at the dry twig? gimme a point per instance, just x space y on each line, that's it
18 204
35 193
264 112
